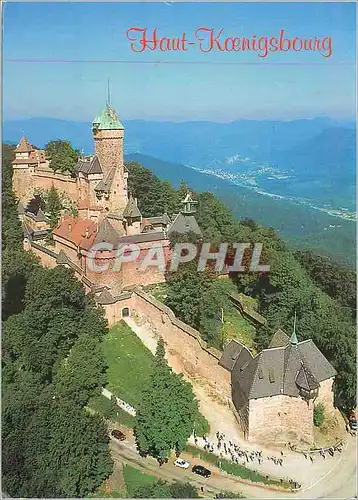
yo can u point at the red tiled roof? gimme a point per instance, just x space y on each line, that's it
74 230
24 146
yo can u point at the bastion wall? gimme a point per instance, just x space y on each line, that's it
280 419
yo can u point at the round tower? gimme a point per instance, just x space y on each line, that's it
108 134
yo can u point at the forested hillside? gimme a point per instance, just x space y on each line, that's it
52 364
324 301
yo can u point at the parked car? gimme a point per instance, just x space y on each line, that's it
352 418
118 435
202 471
353 425
179 462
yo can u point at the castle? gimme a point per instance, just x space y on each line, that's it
272 394
106 212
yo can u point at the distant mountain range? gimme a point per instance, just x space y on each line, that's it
195 143
272 171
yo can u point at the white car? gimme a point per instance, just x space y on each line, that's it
179 462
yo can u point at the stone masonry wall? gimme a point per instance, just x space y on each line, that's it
280 419
22 182
113 312
109 148
326 396
62 183
45 259
186 352
26 180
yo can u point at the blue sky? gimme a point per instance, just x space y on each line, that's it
222 89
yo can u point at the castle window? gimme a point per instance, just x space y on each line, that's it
271 376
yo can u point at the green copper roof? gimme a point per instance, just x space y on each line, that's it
108 120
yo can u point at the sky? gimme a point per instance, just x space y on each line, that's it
58 57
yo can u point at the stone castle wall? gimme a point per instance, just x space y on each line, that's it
47 259
280 419
186 352
26 180
62 183
325 395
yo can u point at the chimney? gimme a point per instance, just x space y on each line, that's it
70 227
135 199
87 232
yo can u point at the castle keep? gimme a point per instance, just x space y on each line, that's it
272 394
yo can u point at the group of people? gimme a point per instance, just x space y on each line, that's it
228 449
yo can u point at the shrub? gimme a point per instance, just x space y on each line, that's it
202 426
318 415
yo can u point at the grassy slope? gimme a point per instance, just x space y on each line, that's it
129 366
129 363
237 327
135 478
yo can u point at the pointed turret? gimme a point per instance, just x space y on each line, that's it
132 211
24 146
293 339
132 216
189 204
185 221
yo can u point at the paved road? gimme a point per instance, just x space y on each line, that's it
217 483
338 482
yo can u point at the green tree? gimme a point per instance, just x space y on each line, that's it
318 415
336 280
62 156
17 266
154 196
53 206
229 494
183 490
82 372
52 364
72 458
166 413
213 301
12 235
160 489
